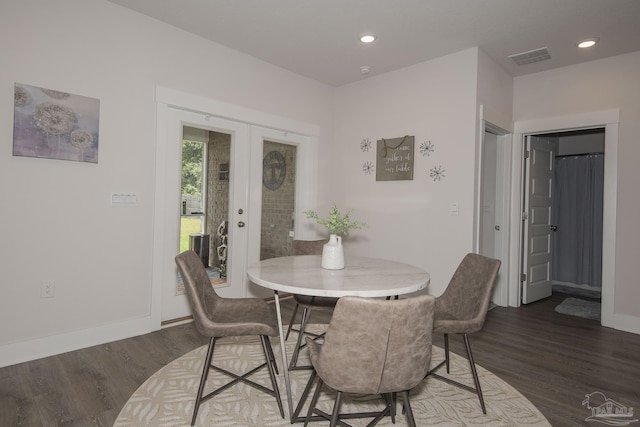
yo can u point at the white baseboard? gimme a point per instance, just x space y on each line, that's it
624 322
24 351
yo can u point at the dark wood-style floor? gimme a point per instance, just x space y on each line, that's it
552 359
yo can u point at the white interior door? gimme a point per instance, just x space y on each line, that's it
493 230
490 210
537 227
174 300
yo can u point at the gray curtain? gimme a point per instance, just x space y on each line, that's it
577 212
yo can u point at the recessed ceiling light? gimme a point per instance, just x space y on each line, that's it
583 44
367 38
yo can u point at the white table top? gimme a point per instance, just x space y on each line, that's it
365 277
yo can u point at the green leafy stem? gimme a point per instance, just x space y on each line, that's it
336 223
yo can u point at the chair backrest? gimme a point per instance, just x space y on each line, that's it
375 346
203 299
307 247
469 291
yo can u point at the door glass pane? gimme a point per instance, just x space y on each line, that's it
205 198
278 199
217 200
192 203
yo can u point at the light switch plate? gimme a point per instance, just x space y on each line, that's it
124 199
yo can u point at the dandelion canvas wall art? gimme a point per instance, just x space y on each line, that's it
55 125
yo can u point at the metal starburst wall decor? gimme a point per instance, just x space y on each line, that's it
55 125
437 173
426 148
365 144
368 168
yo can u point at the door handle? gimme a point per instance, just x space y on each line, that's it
553 227
497 228
240 224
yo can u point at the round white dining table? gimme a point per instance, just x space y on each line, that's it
362 276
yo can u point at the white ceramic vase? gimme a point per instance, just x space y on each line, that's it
333 254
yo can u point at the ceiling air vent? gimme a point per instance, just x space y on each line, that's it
532 56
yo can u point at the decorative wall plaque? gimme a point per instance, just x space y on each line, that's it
394 159
274 169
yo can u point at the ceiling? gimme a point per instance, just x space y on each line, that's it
319 38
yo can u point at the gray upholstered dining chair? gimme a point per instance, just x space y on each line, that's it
373 347
217 317
306 247
462 309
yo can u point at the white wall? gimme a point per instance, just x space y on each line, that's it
56 221
409 221
495 91
57 224
610 83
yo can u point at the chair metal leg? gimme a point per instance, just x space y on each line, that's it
335 415
303 398
391 402
335 418
293 316
236 378
446 351
407 408
266 347
472 364
272 357
203 378
314 401
303 325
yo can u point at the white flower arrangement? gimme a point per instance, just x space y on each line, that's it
336 223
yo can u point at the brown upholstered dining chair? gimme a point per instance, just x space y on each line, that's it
306 247
217 317
462 309
372 347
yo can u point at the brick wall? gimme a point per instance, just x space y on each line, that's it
278 206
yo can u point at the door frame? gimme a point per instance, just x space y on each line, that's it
609 120
499 124
170 98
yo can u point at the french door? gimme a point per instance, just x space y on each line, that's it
280 189
234 193
231 188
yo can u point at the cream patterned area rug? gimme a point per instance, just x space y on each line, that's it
166 399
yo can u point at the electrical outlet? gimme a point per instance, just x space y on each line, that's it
48 289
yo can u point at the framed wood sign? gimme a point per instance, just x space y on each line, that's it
394 158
